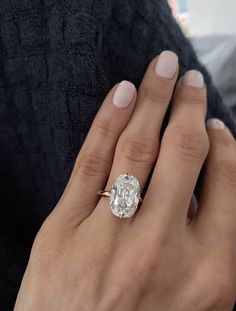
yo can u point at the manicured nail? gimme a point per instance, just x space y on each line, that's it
193 78
124 94
215 124
167 64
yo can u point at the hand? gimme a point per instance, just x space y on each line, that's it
85 258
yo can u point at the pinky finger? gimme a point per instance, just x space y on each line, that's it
216 218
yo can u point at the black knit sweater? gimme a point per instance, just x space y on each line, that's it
58 59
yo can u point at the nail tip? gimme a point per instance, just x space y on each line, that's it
170 52
167 64
193 78
124 93
215 124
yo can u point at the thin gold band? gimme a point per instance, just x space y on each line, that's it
104 193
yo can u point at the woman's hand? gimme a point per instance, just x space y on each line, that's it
84 258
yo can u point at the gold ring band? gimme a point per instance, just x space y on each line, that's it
104 193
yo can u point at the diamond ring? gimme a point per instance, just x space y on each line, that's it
124 196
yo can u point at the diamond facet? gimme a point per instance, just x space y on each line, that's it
125 195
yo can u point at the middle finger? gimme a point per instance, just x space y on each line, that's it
137 147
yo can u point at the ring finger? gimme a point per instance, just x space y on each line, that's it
94 160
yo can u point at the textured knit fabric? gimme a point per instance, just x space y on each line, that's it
58 60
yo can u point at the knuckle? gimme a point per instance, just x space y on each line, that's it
224 140
91 164
106 128
190 144
138 149
225 170
160 95
195 101
193 96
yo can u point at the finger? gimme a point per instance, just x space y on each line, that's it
94 161
138 145
217 207
183 150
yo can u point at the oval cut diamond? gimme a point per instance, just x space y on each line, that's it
125 195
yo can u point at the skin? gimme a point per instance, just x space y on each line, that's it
84 258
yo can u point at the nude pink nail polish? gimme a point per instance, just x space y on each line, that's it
215 124
167 65
124 94
193 78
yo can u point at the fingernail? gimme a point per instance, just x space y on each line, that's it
167 64
215 124
193 78
124 94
